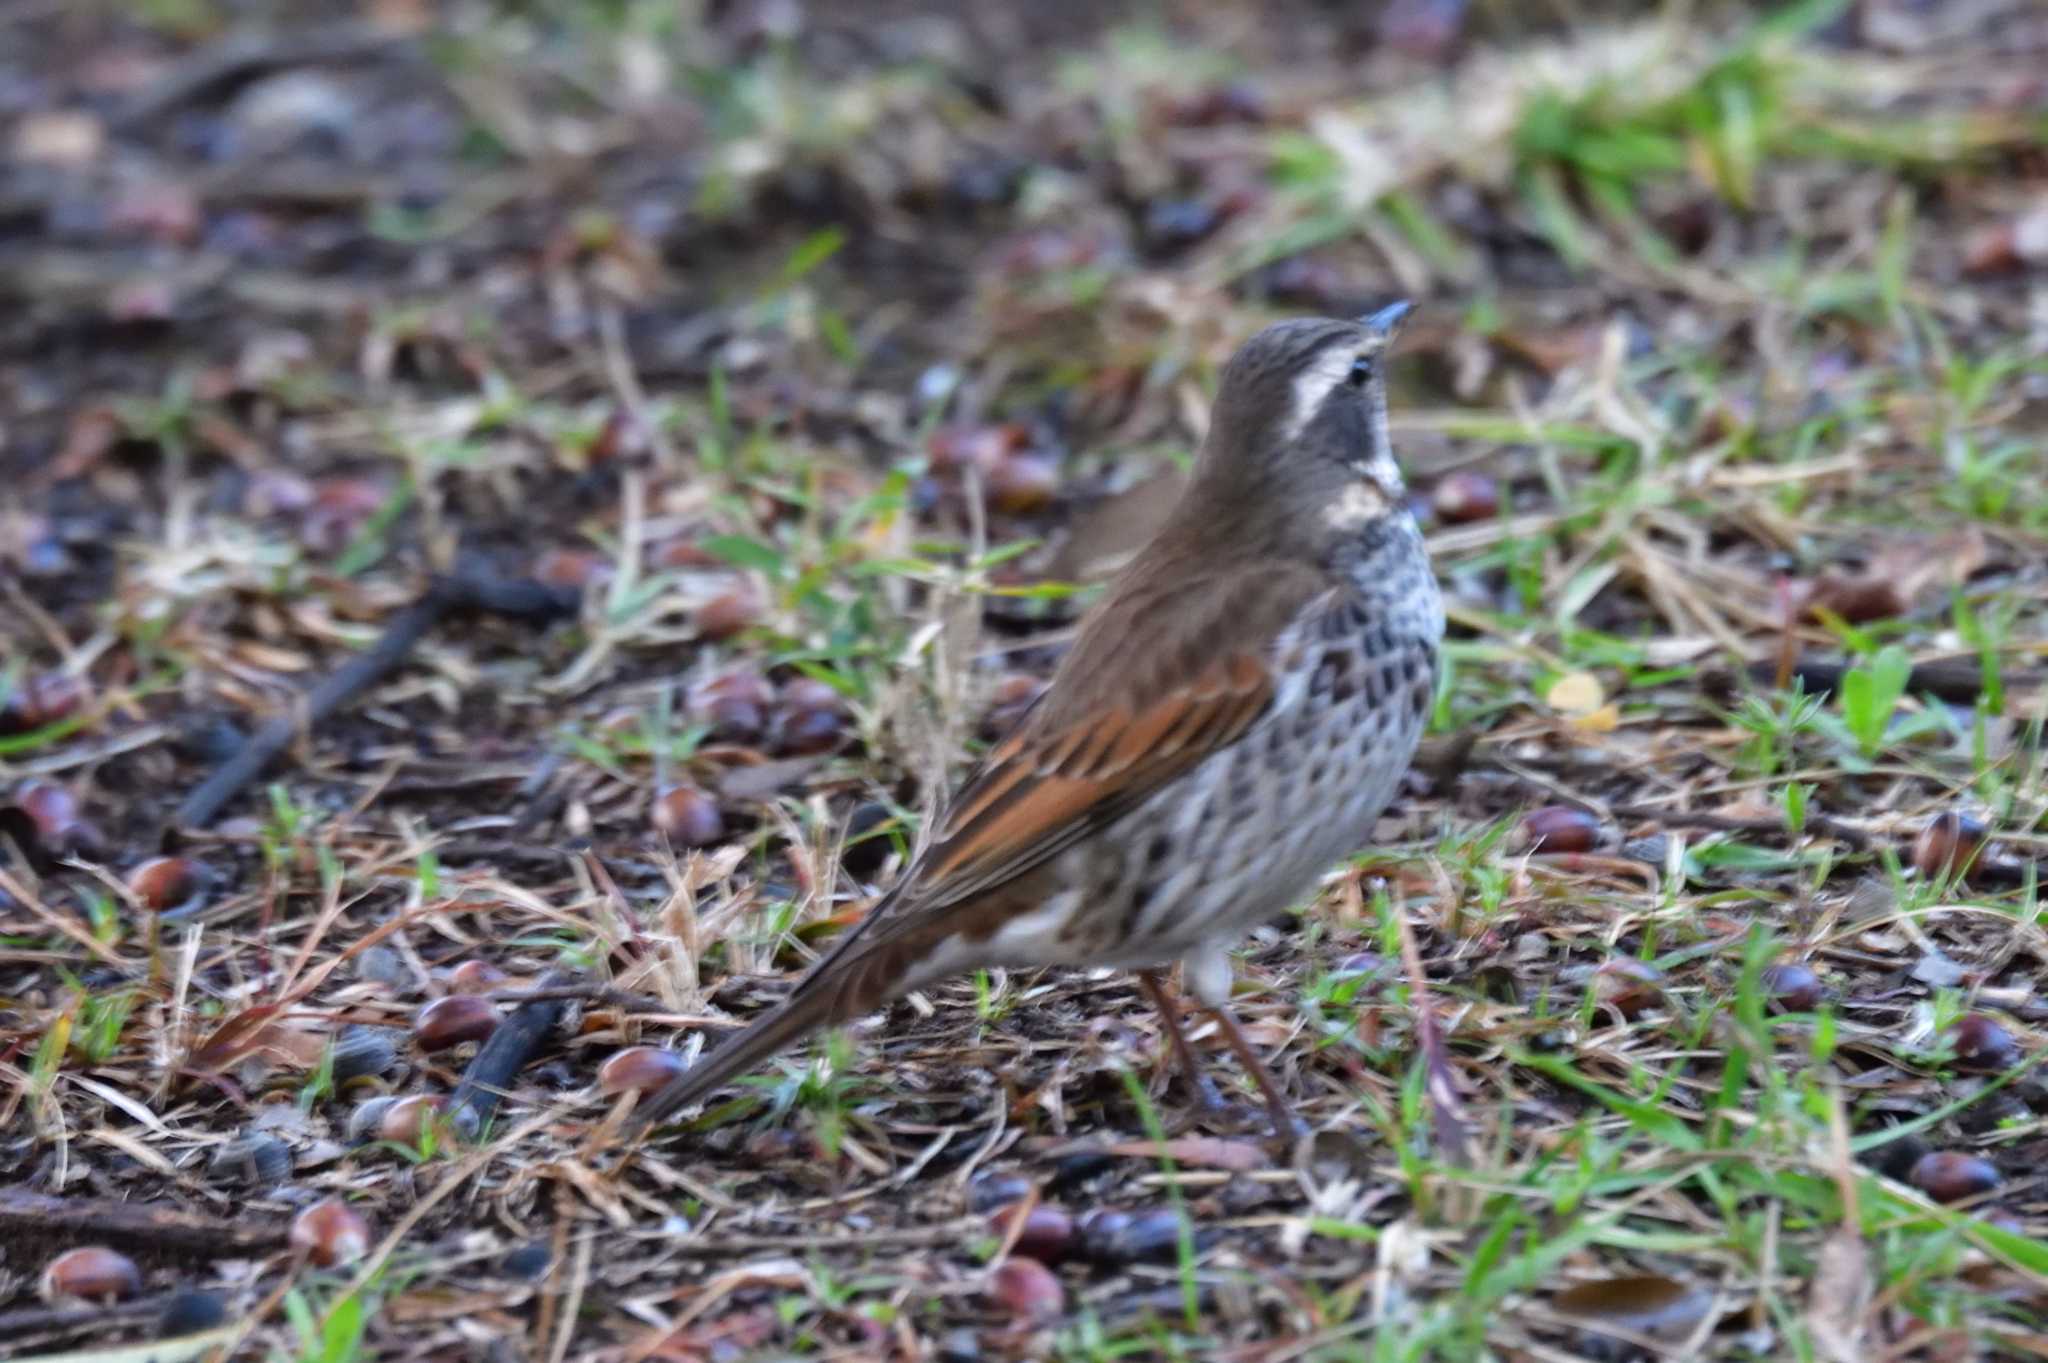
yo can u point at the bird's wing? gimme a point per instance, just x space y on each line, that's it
1163 676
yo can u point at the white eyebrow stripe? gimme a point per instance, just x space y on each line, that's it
1313 384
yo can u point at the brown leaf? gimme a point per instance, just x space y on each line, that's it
240 1036
1642 1304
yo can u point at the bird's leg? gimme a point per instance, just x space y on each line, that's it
1285 1123
1162 997
1208 973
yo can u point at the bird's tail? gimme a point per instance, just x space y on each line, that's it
788 1023
863 971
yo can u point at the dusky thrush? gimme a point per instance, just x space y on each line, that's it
1230 721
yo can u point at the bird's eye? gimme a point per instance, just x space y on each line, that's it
1361 370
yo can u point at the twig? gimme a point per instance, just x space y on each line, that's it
248 55
141 1224
498 1061
1958 681
471 591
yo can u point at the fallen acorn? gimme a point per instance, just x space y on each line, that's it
1949 1176
1027 1290
1949 845
91 1273
1792 987
1981 1042
639 1069
688 816
1560 828
453 1020
1629 986
164 883
330 1234
250 1159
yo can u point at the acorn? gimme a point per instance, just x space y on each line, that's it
1465 496
1948 845
475 977
688 816
639 1069
735 706
39 701
1028 1290
728 614
1021 484
1981 1042
330 1234
1630 986
59 825
404 1120
805 732
1948 1176
91 1273
250 1159
572 568
1792 987
362 1052
190 1311
164 883
1560 828
453 1020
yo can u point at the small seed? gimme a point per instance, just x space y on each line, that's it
190 1311
1950 843
639 1069
1948 1176
989 1191
38 701
1047 1234
1465 496
804 732
727 614
808 693
1021 484
1112 1237
59 825
1027 1290
253 1159
1981 1042
453 1020
404 1120
330 1233
91 1273
1792 987
688 816
574 568
1560 828
167 882
1629 986
475 977
362 1053
366 1119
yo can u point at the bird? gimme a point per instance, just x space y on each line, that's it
1230 720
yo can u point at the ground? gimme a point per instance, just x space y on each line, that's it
708 420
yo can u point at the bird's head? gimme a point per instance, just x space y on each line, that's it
1300 423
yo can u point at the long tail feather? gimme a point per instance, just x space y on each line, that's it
790 1022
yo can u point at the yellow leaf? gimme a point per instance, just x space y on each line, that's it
1575 693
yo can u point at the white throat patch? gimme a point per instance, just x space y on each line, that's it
1357 505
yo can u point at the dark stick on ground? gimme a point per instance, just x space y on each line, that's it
1958 681
27 1216
504 1053
464 592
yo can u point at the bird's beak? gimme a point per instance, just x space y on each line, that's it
1387 320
